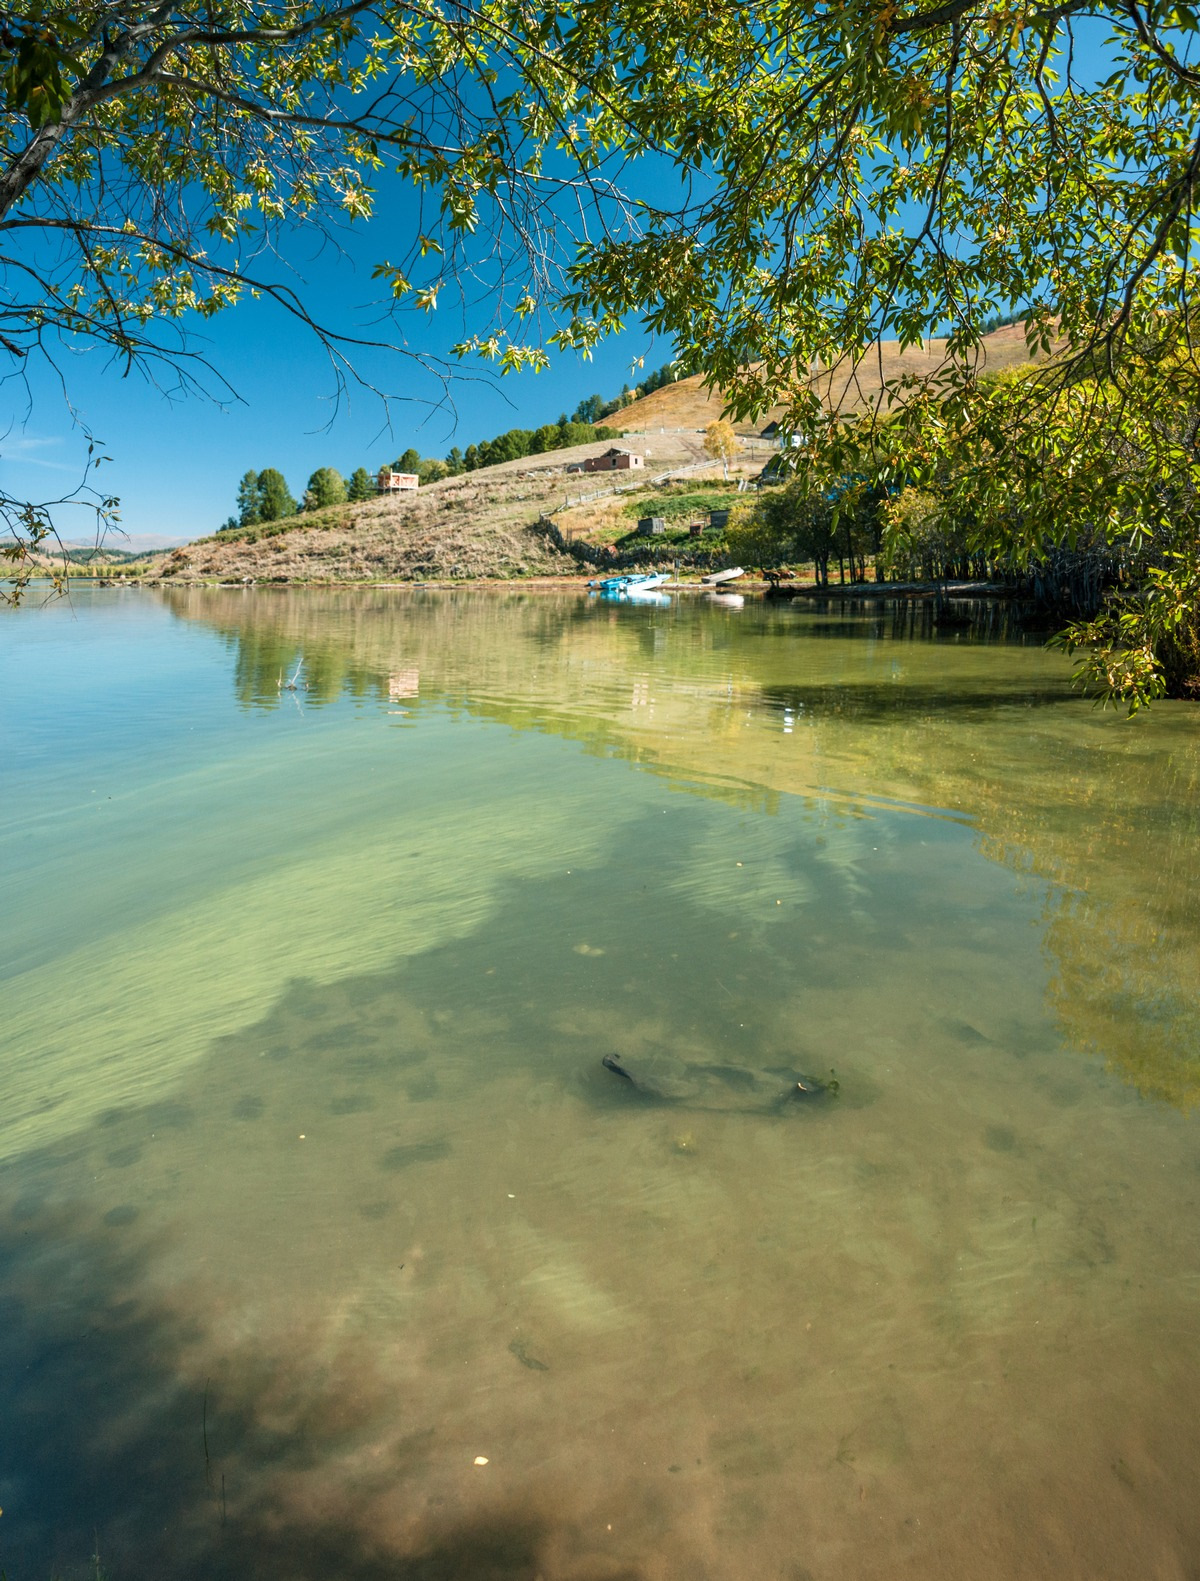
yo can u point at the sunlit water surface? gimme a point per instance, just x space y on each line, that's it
314 1194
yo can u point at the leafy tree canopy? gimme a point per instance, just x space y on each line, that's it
361 486
249 500
821 177
275 498
721 443
914 171
325 487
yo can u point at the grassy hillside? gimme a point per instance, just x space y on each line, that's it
687 404
846 389
483 524
684 404
479 525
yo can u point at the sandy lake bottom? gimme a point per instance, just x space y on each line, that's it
329 1249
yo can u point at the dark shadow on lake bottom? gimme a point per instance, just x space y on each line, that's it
110 1448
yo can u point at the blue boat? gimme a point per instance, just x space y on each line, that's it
635 581
612 584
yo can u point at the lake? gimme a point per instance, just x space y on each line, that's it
330 1249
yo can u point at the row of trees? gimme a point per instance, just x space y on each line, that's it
584 426
512 445
796 524
910 536
265 496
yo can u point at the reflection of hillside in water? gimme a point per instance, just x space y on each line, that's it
749 705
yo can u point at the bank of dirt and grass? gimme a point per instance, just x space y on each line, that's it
523 519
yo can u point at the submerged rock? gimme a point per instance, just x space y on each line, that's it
734 1088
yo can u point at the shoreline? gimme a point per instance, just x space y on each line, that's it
770 590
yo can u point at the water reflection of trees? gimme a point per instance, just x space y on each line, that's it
732 705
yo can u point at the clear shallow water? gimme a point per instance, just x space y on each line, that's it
313 1189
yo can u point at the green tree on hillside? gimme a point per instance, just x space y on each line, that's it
410 461
249 500
454 462
667 374
543 439
510 446
361 486
275 497
325 487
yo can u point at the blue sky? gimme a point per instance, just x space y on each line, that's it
176 461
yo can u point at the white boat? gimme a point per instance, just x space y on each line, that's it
715 578
646 584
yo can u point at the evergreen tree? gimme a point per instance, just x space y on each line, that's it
471 459
454 462
656 381
544 438
249 500
410 461
327 487
361 486
510 446
276 500
576 434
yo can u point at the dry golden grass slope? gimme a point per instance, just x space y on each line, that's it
686 404
482 525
